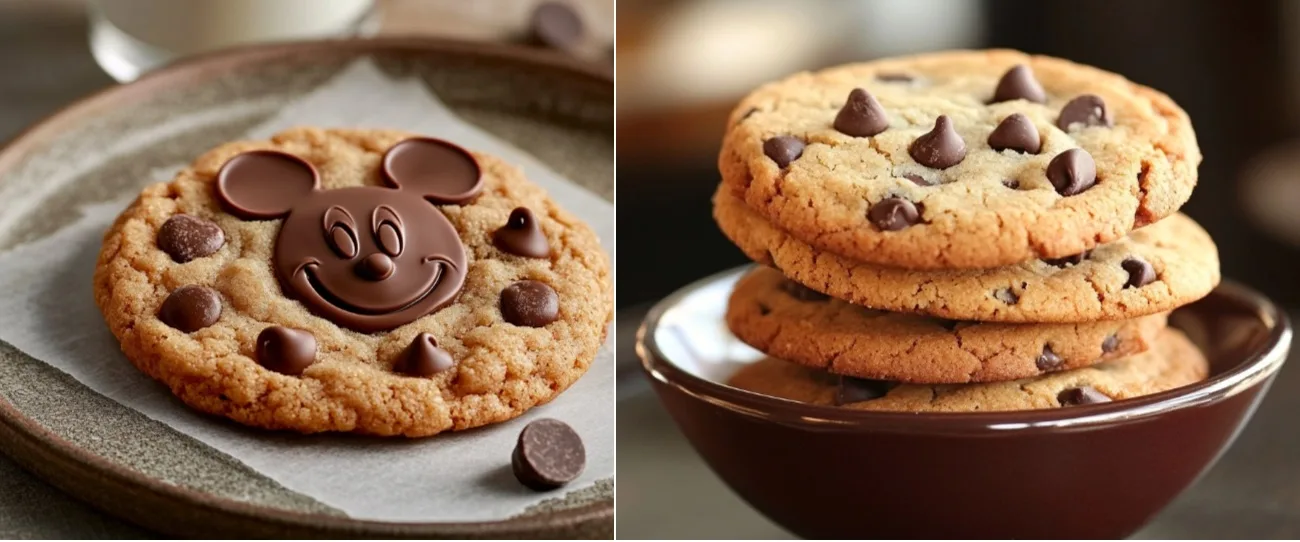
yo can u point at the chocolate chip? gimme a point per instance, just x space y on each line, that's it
286 350
941 147
1013 184
1019 84
1083 395
1017 133
891 77
1072 172
186 237
918 180
548 455
423 357
529 303
1088 110
1007 296
783 149
522 235
1048 360
191 308
1069 260
1111 344
801 292
1140 273
555 24
893 214
856 390
861 116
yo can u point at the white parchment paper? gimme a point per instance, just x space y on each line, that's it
457 476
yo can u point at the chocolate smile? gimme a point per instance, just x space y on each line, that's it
306 280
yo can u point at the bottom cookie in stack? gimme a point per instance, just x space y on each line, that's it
830 352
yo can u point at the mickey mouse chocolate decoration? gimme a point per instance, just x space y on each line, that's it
368 258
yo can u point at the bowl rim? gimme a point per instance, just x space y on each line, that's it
1258 366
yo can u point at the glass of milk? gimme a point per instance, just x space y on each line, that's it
130 37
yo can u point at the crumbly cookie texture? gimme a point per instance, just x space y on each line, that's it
926 192
1154 269
497 369
788 321
1174 361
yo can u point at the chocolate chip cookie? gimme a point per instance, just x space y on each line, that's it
1154 269
962 159
355 280
786 320
1172 362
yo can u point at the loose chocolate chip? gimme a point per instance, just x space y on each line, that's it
548 455
529 303
941 147
893 214
783 150
1084 395
1111 344
1013 184
1017 133
191 308
555 24
1019 84
801 292
1007 296
918 180
286 350
1048 360
1072 172
522 235
1140 273
856 390
861 116
186 237
1088 110
423 357
890 77
1069 260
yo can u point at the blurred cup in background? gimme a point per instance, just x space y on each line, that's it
130 37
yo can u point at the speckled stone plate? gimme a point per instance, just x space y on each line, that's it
558 109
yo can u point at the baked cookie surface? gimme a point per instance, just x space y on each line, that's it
1154 269
790 322
959 159
355 280
1172 362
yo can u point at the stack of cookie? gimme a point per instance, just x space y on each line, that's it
973 230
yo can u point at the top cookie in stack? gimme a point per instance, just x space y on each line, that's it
959 160
966 217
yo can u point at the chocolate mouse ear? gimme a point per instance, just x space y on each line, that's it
258 185
438 170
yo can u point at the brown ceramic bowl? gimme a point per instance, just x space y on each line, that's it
1098 471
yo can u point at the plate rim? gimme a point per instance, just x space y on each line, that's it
74 469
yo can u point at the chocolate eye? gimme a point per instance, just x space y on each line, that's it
388 230
341 232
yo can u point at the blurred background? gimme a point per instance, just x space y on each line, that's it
683 64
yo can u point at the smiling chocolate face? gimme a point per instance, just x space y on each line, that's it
368 258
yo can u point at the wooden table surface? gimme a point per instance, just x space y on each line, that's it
46 63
